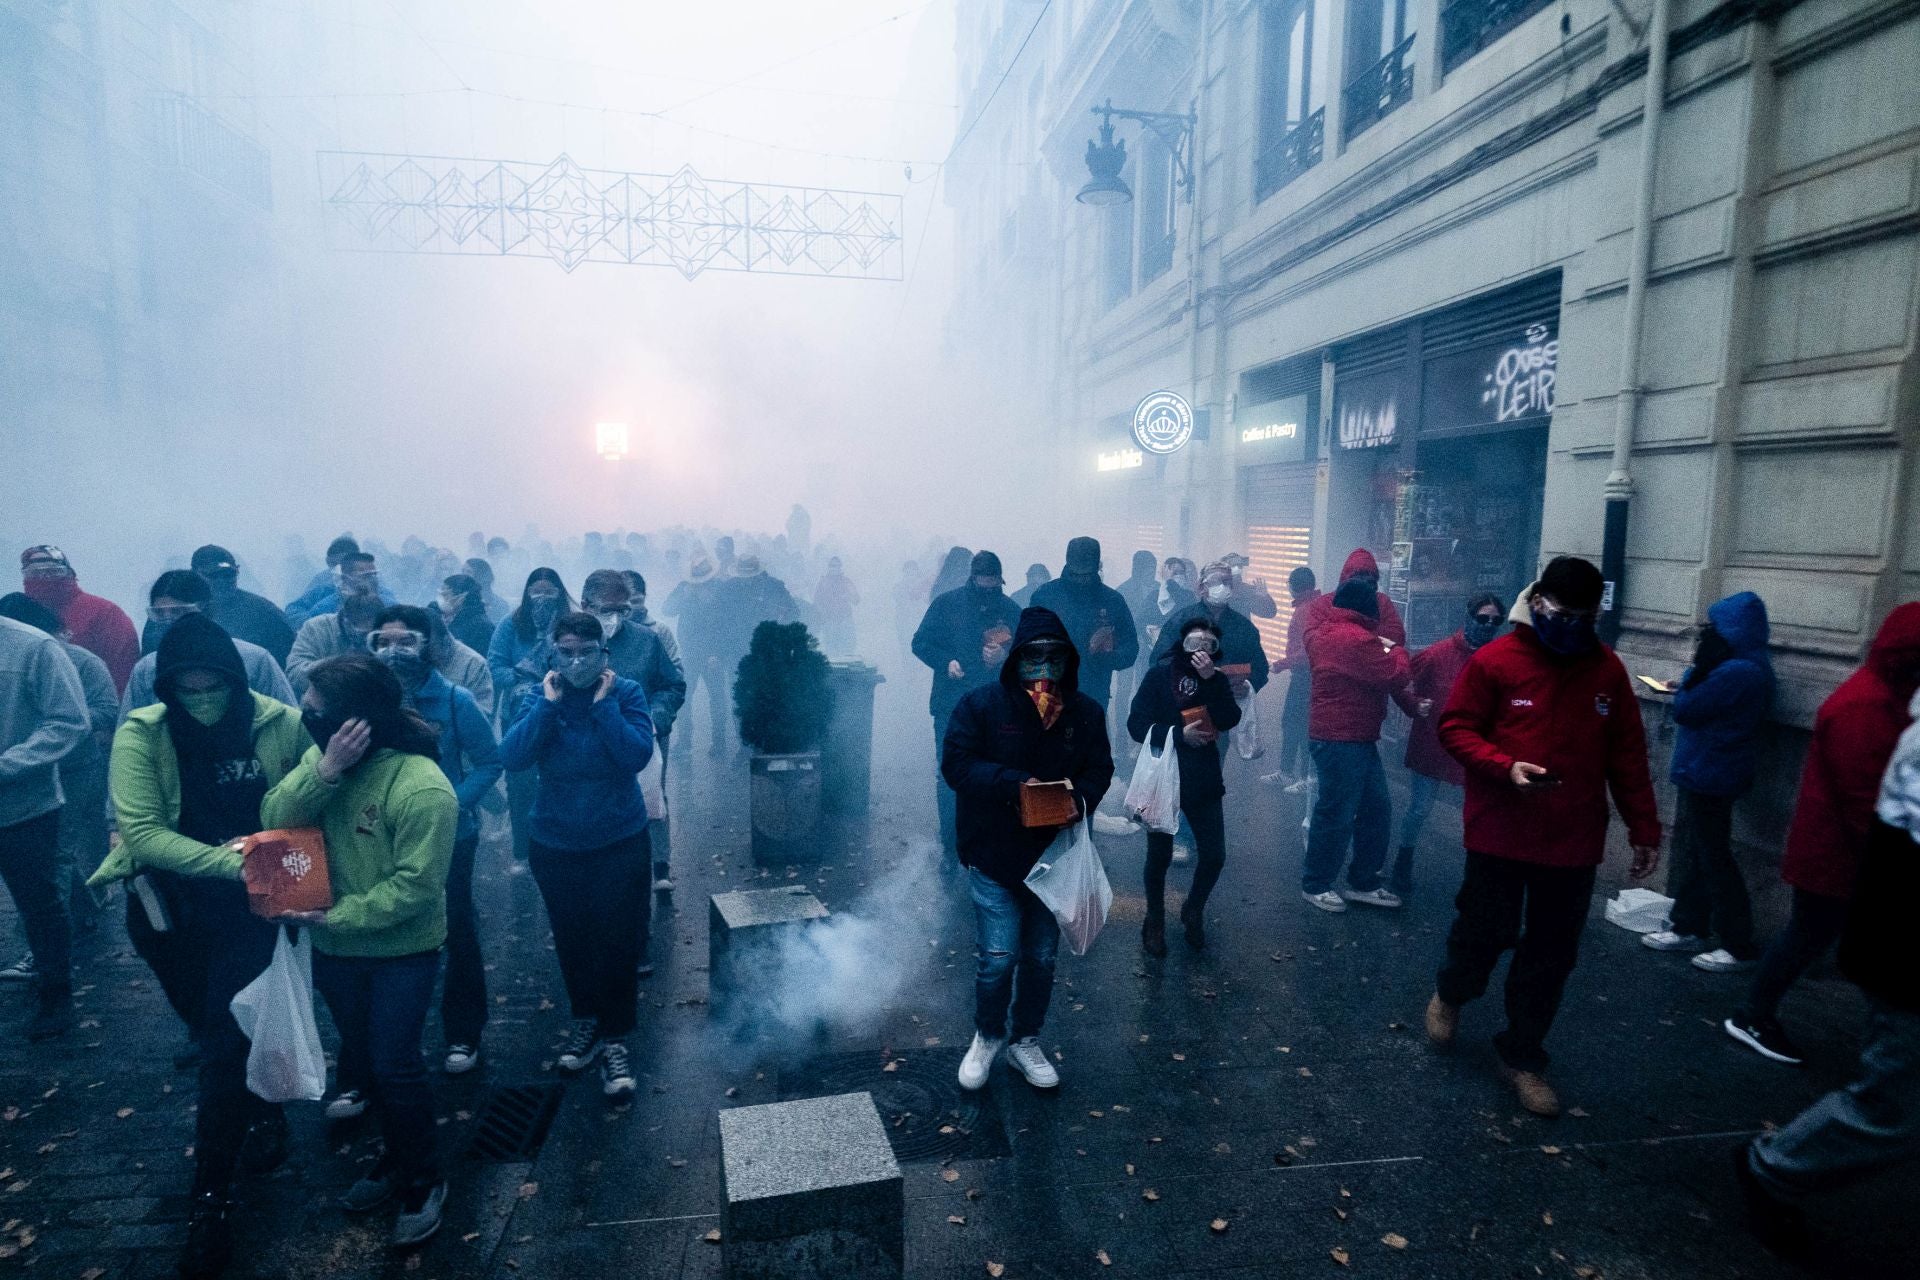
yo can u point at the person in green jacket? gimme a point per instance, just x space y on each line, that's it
373 785
188 775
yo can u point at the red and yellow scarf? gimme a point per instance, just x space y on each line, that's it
1047 701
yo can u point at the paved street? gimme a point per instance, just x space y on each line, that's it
1269 1107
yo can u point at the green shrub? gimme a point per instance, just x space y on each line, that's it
780 693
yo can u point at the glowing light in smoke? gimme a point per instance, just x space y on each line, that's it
611 440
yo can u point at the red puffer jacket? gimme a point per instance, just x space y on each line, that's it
1853 737
1576 717
1435 670
1361 561
1353 673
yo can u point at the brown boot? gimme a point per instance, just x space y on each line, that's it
1153 936
1443 1020
1536 1095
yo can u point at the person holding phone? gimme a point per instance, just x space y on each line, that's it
1545 722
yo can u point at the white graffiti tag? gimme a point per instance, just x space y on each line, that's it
1521 384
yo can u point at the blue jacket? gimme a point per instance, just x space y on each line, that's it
1720 717
589 755
514 663
469 754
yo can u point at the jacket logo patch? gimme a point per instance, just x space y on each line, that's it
1188 687
368 821
1521 702
1603 704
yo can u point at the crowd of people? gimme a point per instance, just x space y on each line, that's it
401 707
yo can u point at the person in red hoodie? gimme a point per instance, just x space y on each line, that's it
1545 721
97 625
1354 671
1295 766
1853 738
1435 670
1361 567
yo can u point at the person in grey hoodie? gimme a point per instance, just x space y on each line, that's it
43 717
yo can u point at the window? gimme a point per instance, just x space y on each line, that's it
1379 61
1468 26
1116 246
1292 92
1156 196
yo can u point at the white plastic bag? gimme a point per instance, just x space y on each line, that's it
1639 910
1072 881
652 788
1246 734
1153 796
275 1012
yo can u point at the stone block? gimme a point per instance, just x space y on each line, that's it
745 930
810 1188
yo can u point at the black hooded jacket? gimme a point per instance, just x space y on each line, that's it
1168 686
1085 607
995 742
221 781
954 630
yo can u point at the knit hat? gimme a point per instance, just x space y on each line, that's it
44 555
1572 582
986 565
1359 597
1083 555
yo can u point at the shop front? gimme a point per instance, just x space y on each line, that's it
1129 498
1276 424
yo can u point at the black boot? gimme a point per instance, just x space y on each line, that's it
1194 920
265 1147
209 1237
55 1015
1153 935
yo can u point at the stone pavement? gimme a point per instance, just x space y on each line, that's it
1268 1107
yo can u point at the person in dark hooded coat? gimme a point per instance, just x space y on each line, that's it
1096 617
964 639
1361 565
1032 725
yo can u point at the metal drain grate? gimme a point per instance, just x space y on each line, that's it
514 1122
917 1100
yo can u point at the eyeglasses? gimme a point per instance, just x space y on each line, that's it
45 571
398 641
1043 652
1551 610
613 610
569 653
1487 619
171 612
538 596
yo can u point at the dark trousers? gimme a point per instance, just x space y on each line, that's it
1538 913
943 796
1209 851
177 957
717 677
522 784
231 947
1709 893
463 1001
1813 925
1016 942
36 876
380 1006
1294 758
1353 808
600 903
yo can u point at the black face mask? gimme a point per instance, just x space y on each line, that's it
321 726
1479 631
1371 579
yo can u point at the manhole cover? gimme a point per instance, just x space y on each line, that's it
928 1116
514 1122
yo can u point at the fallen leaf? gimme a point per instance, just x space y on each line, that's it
1304 1073
1097 1115
1129 1171
733 1093
956 1220
124 1112
1150 1195
48 1148
528 1190
996 1268
1552 1151
892 1066
1179 1057
946 1129
1577 1111
1340 1255
1100 1256
1340 1214
1218 1226
1345 1194
712 1237
1547 1218
1394 1240
93 1273
950 1175
1222 1149
470 1237
677 1163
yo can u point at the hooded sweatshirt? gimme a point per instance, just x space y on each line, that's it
1876 950
955 629
1353 675
1432 673
995 742
1721 713
1361 561
1854 734
1169 687
97 625
1083 607
589 755
43 717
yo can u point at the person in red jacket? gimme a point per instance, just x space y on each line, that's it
1853 737
1354 670
1545 721
1362 567
1295 766
97 625
1435 669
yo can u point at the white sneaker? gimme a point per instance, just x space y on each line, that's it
1372 897
582 1045
1299 786
21 970
461 1058
347 1104
663 885
1030 1060
1668 940
1107 825
1721 961
1328 901
1181 853
616 1070
978 1064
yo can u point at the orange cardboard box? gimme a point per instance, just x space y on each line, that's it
1048 804
286 871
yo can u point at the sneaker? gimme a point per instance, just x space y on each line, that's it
1107 825
419 1216
21 970
266 1145
1030 1060
663 884
616 1070
1766 1038
1722 961
53 1018
1777 1223
368 1193
978 1064
209 1246
582 1045
461 1058
347 1104
644 969
1443 1021
1372 897
1326 901
1668 940
1182 854
1299 786
1535 1094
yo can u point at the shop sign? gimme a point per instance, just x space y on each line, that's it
1510 381
1163 422
1368 410
1120 460
1276 431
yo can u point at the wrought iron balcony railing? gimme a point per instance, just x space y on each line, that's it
1298 151
1381 89
1468 26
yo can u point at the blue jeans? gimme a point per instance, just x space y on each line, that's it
1869 1125
380 1006
1421 793
1016 940
1353 808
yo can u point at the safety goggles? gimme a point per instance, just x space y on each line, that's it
171 612
397 642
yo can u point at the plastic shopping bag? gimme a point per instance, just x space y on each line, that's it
1071 880
1153 796
1246 734
1639 910
652 784
275 1012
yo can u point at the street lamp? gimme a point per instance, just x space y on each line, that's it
611 440
1106 157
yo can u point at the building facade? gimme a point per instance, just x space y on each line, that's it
1400 289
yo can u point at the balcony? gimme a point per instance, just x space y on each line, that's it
1468 26
194 139
1298 151
1380 90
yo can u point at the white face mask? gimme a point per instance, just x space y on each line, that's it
609 623
1219 593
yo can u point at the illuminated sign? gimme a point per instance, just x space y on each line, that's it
610 440
1276 431
1270 431
1366 410
1121 460
1163 422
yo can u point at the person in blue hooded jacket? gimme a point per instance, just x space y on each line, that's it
1720 707
589 733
